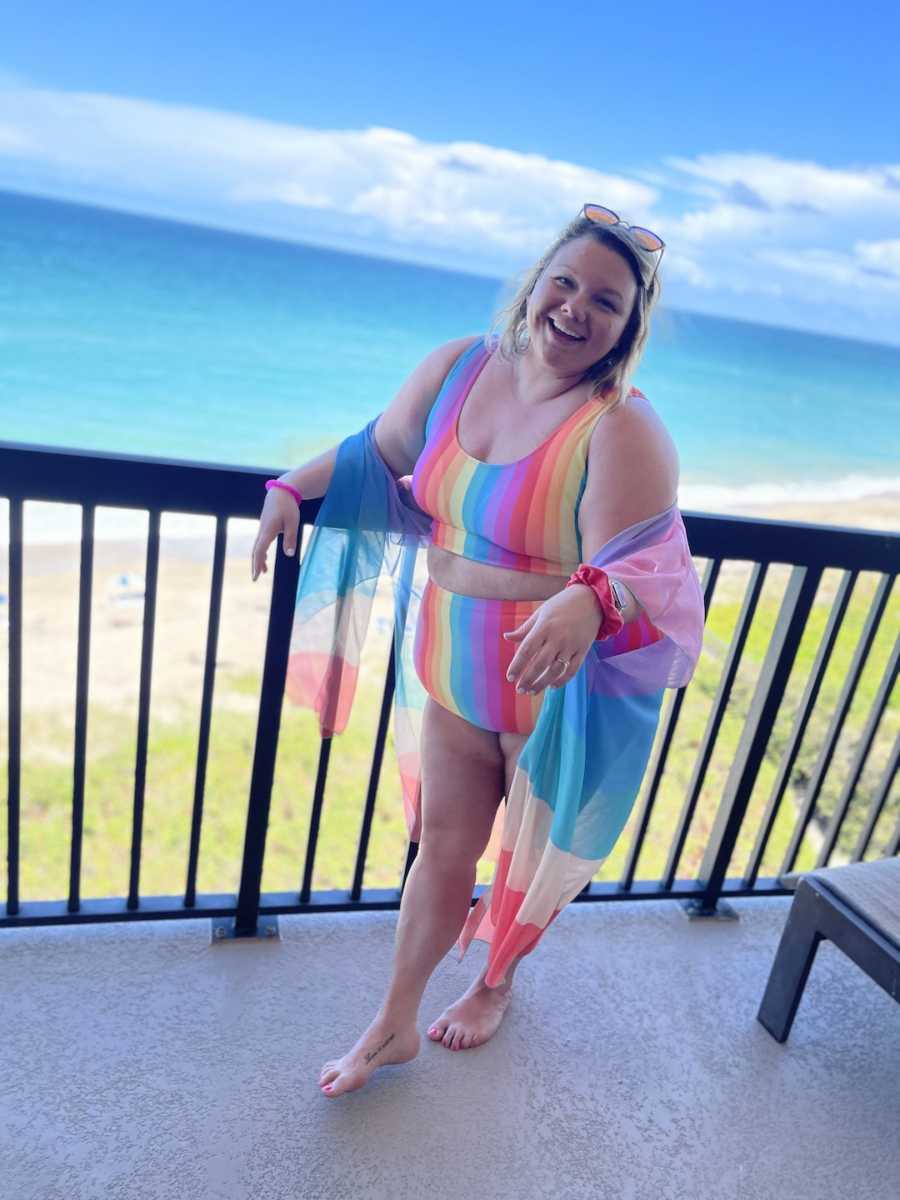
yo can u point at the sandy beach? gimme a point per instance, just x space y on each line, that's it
51 604
880 512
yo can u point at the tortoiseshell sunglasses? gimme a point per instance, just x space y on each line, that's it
645 238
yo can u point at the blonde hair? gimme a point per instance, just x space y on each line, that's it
611 375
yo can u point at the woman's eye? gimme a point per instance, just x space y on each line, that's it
563 279
607 304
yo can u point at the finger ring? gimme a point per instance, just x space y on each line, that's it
565 661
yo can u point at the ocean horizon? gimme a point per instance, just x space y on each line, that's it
143 335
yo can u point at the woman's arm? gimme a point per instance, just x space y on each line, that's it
399 432
632 475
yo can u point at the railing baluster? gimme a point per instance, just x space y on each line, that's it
805 711
664 742
884 788
315 818
864 645
281 616
859 759
209 677
716 715
14 748
81 702
374 775
151 574
795 606
878 803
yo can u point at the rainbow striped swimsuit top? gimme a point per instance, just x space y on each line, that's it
522 514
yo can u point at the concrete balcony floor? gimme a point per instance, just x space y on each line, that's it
141 1061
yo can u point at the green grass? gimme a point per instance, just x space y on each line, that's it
47 778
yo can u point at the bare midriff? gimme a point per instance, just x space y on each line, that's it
467 577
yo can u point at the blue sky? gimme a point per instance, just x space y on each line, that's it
762 143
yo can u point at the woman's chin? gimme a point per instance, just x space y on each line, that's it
572 358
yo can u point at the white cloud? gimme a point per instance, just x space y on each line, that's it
880 256
723 222
461 195
763 181
12 140
681 267
746 232
833 266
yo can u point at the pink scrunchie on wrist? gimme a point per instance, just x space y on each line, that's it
285 487
611 620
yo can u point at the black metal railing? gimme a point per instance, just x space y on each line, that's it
157 486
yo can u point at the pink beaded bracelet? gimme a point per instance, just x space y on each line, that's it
285 487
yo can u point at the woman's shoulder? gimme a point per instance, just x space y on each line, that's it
401 427
448 352
429 375
635 433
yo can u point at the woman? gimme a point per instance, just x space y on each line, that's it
536 462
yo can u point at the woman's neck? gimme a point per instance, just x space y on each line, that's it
535 383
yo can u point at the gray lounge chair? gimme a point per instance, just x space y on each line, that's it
857 907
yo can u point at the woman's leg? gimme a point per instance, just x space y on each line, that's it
476 1015
462 785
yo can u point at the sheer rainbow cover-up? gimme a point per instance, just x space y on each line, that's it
580 770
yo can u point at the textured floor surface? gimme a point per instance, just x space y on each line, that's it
144 1062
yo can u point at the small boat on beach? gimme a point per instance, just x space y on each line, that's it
125 593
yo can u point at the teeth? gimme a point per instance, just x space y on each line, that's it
567 332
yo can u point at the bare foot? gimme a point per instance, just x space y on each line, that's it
474 1018
382 1043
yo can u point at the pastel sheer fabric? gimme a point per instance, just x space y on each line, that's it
580 770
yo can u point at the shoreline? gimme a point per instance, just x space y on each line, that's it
878 513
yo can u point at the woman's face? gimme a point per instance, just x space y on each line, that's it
580 305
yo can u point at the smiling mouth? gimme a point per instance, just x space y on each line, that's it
564 333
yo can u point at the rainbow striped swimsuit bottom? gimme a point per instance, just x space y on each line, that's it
588 742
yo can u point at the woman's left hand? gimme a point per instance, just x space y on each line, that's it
554 640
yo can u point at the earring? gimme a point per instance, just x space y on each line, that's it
521 339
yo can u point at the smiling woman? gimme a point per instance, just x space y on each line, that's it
626 286
560 601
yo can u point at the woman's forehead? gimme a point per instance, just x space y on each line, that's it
596 261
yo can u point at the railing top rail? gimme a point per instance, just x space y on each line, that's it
65 476
135 481
752 539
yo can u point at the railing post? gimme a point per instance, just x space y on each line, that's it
14 728
281 615
792 617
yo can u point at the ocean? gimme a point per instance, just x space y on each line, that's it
127 333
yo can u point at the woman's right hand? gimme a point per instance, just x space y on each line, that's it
280 514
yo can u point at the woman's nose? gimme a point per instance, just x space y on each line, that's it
574 307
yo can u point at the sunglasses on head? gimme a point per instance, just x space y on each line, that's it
645 238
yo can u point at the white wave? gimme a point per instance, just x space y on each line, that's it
712 497
60 524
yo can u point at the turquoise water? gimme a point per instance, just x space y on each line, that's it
131 334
